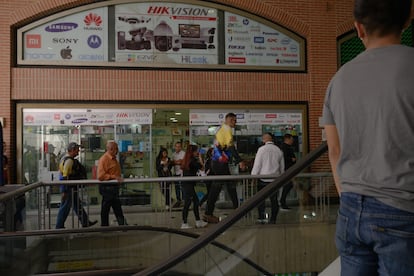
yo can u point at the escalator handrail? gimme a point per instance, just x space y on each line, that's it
213 232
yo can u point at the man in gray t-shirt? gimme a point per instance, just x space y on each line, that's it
368 116
372 110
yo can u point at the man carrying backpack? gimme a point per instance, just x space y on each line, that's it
71 169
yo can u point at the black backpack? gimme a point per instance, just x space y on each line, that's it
78 170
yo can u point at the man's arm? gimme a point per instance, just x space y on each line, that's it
334 150
67 168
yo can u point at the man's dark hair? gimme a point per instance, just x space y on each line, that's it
271 135
231 114
382 17
287 136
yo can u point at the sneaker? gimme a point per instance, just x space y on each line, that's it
262 221
185 226
201 224
284 208
211 219
167 207
91 223
177 204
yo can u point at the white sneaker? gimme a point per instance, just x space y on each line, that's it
185 226
201 224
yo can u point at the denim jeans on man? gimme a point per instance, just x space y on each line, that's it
374 238
66 204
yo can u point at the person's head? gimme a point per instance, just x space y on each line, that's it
288 139
380 18
267 137
163 153
178 147
191 152
112 148
73 149
230 119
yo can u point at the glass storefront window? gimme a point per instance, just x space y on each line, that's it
140 133
48 132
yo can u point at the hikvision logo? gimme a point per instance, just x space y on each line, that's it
177 11
122 115
132 115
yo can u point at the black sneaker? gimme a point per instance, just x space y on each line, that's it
284 208
177 204
91 223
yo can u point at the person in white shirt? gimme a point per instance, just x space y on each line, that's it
269 160
178 157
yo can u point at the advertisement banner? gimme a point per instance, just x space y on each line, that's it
165 33
78 37
265 117
250 43
86 116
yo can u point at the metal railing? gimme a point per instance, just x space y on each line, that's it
253 198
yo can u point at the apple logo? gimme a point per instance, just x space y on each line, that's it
66 53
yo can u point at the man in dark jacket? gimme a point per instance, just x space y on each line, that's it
290 160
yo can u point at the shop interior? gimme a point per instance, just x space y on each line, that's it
139 144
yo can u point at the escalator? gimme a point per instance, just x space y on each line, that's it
227 248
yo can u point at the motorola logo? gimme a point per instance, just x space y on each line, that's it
94 41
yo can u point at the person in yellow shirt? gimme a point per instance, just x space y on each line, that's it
224 152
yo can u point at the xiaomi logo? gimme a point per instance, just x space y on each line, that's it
33 41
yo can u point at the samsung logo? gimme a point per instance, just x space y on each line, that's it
61 27
79 121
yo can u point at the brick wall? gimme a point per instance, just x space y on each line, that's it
319 21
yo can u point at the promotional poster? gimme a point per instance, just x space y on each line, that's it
159 32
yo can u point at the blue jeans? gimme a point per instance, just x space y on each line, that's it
66 204
373 238
178 189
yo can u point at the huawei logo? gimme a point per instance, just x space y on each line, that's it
93 18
